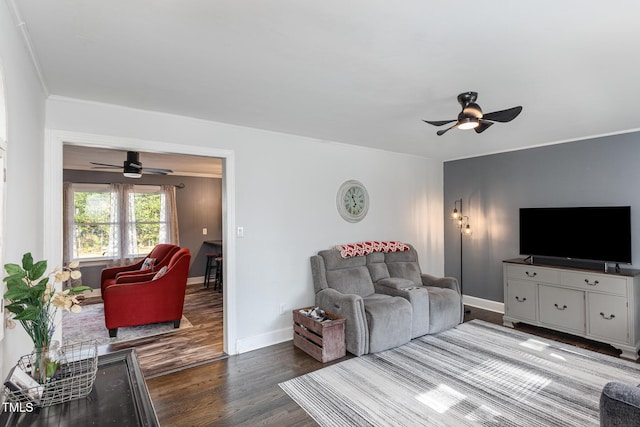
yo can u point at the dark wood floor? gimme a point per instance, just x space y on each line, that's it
185 347
243 390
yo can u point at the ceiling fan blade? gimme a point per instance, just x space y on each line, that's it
482 126
106 165
156 171
443 131
438 122
503 116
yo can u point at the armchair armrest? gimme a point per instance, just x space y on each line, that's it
111 272
351 307
133 273
440 282
135 278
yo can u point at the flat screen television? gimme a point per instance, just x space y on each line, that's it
581 233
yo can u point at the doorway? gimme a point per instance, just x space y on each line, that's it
56 140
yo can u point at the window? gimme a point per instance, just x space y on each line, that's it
92 223
117 221
148 222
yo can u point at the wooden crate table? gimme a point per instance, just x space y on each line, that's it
324 341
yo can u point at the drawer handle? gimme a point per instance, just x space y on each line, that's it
561 308
520 299
589 283
608 318
534 274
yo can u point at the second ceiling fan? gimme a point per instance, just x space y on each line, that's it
471 116
132 167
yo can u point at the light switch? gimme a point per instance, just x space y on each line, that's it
240 232
204 231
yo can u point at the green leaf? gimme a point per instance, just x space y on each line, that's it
15 308
15 279
13 269
16 294
29 313
78 289
17 290
38 270
27 261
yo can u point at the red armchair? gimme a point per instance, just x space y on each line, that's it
140 300
162 253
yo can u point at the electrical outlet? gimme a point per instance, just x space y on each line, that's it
283 309
204 231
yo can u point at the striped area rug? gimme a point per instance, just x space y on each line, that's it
475 374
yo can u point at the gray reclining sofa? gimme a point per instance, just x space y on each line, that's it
385 298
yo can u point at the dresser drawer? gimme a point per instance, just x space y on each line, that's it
562 307
536 274
608 317
595 282
521 299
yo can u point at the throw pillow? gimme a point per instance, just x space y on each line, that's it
160 273
148 264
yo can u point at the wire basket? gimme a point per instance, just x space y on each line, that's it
73 380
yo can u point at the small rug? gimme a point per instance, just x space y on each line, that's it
89 324
475 374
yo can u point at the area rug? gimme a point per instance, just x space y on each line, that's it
89 324
475 374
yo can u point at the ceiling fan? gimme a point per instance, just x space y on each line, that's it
132 167
471 116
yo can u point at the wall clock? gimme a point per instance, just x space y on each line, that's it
352 201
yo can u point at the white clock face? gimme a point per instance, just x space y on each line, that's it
352 201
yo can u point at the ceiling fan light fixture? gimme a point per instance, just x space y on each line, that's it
468 123
132 174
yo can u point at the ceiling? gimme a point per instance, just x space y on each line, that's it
359 71
80 158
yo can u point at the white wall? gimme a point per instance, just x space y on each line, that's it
285 188
25 126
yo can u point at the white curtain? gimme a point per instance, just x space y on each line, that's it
122 236
68 246
169 216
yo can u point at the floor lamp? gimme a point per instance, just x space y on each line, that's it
462 221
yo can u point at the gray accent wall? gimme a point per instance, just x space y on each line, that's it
601 171
199 206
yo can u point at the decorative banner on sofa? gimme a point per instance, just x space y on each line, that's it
364 248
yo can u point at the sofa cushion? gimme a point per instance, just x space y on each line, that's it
396 283
404 265
351 281
389 321
347 275
377 267
444 309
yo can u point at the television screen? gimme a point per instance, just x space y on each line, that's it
585 233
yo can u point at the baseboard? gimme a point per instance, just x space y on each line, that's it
484 304
264 340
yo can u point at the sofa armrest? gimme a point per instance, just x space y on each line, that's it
351 307
619 405
440 282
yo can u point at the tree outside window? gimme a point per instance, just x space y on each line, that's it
96 225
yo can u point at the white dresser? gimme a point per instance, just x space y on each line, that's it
596 305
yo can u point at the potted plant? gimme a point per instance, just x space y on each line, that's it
34 301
